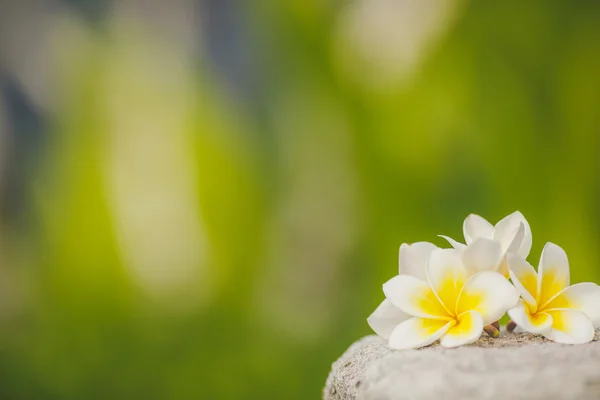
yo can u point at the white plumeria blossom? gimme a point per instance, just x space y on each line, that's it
450 305
412 260
487 245
549 306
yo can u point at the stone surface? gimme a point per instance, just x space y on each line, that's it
512 366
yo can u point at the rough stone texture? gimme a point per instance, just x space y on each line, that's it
512 366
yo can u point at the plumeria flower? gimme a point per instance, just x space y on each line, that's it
549 306
487 245
412 260
449 305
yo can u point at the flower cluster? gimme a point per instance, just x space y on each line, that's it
454 295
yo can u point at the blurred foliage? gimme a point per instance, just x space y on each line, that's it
302 195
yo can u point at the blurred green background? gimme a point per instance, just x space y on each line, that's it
201 199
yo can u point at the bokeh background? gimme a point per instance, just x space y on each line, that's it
200 199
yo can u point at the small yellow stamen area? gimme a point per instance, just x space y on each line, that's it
532 308
537 319
463 327
449 290
430 305
551 285
471 300
427 327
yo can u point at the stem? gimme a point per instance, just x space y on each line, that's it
511 326
491 330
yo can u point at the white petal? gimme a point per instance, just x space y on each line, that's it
503 268
475 227
412 258
570 327
385 318
488 293
523 277
553 273
454 243
510 236
418 332
414 297
446 276
482 255
540 322
468 330
584 297
525 245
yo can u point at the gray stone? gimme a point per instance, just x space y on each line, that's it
512 366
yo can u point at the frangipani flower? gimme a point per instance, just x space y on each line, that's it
449 305
412 260
487 245
549 306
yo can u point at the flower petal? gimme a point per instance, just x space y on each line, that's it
475 227
525 243
503 268
584 297
447 276
570 327
536 323
488 293
468 330
412 258
524 278
482 255
385 318
510 237
418 332
414 297
553 273
454 243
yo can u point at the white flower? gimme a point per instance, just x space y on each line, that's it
487 245
449 305
412 260
549 306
